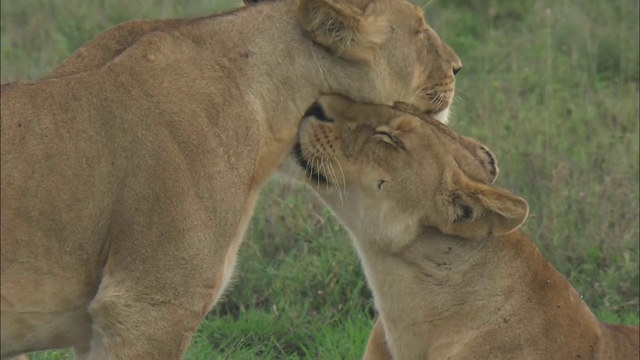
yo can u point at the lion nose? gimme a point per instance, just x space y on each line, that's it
456 69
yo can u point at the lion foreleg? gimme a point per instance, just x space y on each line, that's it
377 348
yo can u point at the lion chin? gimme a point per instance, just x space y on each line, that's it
442 116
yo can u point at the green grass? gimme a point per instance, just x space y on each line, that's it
551 86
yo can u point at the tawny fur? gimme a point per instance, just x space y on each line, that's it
129 173
452 277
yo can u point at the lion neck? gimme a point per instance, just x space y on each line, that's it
283 71
298 69
441 289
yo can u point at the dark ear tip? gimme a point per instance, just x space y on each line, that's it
493 164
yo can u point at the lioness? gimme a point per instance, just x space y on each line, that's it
451 276
129 174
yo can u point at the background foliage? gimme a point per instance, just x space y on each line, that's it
550 85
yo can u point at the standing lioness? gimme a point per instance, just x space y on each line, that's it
128 179
451 277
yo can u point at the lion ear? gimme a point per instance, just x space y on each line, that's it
344 29
471 209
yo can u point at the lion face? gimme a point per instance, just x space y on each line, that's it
375 165
390 40
433 62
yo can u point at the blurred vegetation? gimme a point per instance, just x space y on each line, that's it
551 86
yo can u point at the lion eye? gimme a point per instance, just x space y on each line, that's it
380 183
389 139
384 134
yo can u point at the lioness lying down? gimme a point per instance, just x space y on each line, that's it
451 275
130 173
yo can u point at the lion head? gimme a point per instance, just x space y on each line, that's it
391 172
392 36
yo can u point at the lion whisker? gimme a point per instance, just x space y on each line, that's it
344 180
335 181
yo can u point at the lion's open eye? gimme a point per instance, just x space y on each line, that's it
389 139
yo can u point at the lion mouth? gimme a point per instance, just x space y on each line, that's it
309 170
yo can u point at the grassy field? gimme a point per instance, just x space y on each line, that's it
551 86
